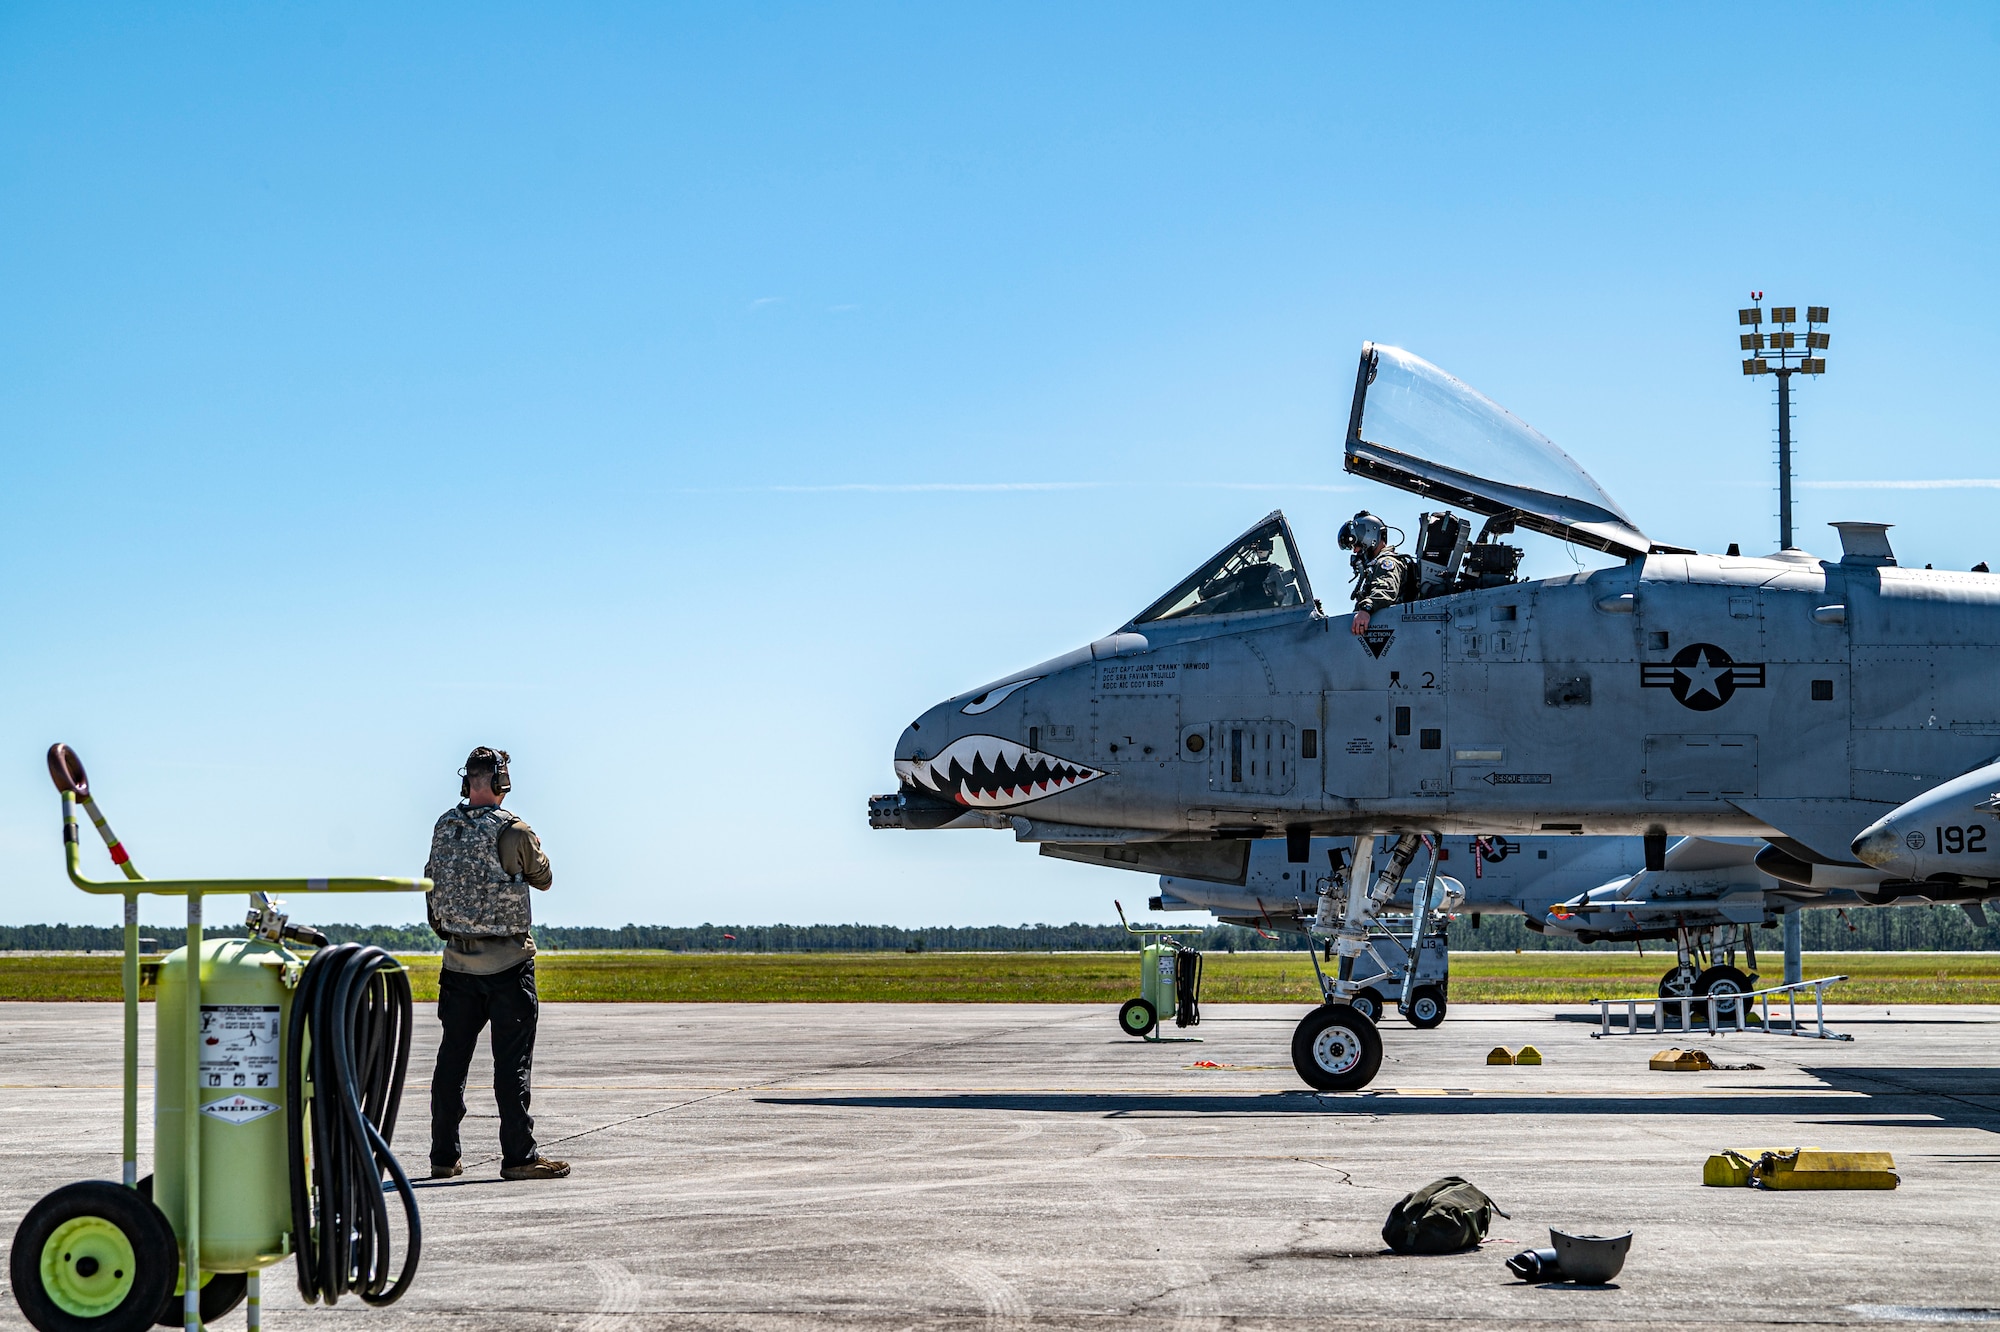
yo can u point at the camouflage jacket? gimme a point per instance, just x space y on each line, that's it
472 896
1379 585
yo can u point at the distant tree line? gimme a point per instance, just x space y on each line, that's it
1866 929
1914 929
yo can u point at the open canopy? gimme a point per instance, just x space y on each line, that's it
1416 428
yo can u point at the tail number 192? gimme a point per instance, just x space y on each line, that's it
1955 840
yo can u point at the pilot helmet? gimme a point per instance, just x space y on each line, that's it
1363 532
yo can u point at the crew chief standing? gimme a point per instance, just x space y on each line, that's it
483 861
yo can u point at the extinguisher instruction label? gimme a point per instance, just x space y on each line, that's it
238 1109
239 1048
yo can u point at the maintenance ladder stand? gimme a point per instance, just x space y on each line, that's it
1736 1003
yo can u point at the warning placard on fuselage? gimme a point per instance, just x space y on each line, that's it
239 1045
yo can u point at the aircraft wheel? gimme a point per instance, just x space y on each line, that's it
221 1292
1137 1018
1369 1004
1426 1007
1718 983
93 1257
1679 983
1335 1048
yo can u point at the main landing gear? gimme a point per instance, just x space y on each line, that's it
1705 970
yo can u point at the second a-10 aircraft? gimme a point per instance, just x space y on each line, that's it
1786 698
1704 902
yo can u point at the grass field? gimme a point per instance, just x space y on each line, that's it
1107 978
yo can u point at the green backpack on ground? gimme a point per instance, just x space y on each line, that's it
1444 1216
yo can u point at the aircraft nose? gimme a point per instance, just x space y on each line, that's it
1881 845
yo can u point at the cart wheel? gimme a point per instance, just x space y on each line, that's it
1335 1048
93 1257
1137 1018
1426 1007
221 1292
1369 1004
1719 983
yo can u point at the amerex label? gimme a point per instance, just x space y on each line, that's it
239 1046
238 1109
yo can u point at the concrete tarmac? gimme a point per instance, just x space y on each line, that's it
765 1166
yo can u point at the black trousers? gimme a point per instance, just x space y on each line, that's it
466 1003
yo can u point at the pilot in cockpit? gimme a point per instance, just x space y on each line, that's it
1248 581
1379 571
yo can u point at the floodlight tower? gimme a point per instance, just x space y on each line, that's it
1782 344
1782 340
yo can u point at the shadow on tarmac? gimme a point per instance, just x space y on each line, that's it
1928 1097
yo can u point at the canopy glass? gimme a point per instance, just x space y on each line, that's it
1415 427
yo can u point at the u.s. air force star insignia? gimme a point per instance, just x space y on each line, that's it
1702 676
1376 640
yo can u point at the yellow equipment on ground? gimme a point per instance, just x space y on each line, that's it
1788 1169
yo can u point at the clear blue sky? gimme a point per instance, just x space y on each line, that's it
683 398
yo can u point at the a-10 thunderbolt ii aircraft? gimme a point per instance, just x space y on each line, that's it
1784 697
1706 900
1946 839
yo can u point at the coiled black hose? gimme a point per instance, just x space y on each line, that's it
1187 988
349 1043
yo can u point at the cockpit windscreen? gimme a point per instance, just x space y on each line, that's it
1260 572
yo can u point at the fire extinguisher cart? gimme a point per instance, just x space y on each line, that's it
224 1201
1169 981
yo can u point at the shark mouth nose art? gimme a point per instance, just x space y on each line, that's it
988 772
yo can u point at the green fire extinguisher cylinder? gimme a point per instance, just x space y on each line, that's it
246 1210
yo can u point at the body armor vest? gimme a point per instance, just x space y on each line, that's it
471 895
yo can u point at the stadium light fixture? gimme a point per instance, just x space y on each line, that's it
1792 357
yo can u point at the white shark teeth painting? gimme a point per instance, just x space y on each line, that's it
989 772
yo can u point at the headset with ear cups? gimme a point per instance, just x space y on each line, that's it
501 783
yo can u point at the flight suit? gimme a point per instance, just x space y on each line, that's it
1379 585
